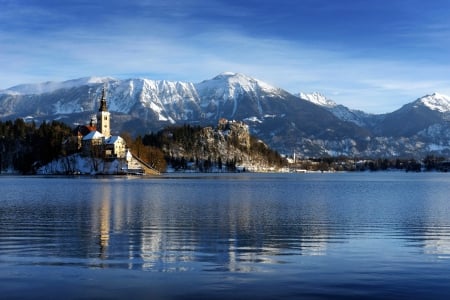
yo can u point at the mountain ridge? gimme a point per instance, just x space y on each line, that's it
308 124
433 100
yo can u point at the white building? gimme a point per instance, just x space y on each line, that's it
92 143
100 142
115 146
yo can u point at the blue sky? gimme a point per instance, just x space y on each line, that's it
368 55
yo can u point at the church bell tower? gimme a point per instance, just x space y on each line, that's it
103 117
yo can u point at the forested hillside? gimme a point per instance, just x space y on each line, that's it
25 146
225 147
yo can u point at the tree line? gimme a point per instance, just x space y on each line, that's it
150 154
342 163
26 146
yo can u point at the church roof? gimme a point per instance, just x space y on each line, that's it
83 130
93 135
113 139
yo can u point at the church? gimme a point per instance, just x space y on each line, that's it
95 139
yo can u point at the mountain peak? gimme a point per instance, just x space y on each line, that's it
236 78
436 101
236 81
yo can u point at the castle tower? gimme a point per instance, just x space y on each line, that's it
103 117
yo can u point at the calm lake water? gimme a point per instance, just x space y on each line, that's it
231 236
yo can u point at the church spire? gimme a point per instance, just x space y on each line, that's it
103 117
103 101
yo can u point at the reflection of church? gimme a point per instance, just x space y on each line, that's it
96 139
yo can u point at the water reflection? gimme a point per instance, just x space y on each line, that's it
427 224
437 242
104 215
259 236
231 225
164 227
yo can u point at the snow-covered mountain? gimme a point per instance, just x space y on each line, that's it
309 124
226 95
416 116
230 94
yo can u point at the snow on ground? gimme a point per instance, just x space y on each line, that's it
77 164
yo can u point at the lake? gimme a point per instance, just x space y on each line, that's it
226 236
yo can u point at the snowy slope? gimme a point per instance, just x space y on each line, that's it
436 101
167 101
160 99
229 89
230 85
163 98
319 99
